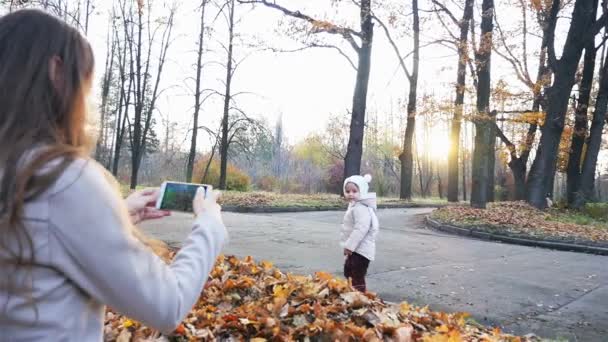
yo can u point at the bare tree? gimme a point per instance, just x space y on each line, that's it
484 128
230 7
106 84
197 94
463 58
145 88
352 161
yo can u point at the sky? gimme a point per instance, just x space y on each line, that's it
303 87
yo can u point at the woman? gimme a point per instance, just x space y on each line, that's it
67 246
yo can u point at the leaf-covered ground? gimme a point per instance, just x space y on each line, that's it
248 301
256 199
269 199
519 218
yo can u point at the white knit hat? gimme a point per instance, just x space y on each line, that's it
362 182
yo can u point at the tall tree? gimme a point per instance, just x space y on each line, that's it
352 161
587 180
230 7
583 27
463 56
579 134
484 120
197 93
518 161
125 87
407 156
146 88
106 83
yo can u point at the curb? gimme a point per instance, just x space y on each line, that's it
296 209
472 232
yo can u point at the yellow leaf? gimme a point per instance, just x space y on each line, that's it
281 291
443 329
128 323
266 265
324 276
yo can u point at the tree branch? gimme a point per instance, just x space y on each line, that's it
521 72
318 25
443 8
395 48
316 45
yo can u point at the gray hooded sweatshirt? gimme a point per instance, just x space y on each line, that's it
86 257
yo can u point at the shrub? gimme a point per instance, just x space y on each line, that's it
268 183
598 211
237 179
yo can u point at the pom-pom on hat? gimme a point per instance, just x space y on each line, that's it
362 182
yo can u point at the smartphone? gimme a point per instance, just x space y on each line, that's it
177 196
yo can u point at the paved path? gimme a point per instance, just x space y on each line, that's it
523 289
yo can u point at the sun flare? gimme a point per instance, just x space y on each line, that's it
439 146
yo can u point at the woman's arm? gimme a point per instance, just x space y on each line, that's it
93 246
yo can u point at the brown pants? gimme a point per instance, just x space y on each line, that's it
355 268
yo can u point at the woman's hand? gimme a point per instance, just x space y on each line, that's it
347 252
206 202
142 206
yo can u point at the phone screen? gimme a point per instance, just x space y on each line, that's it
179 196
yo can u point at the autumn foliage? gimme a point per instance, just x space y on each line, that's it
246 300
237 179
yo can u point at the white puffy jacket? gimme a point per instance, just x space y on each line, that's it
360 227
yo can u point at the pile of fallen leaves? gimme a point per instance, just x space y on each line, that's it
245 300
521 218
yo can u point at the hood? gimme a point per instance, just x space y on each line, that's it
369 200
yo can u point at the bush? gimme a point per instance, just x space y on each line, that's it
598 211
268 183
335 177
237 179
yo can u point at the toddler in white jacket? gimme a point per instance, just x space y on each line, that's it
359 229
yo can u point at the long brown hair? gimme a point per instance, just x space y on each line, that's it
46 69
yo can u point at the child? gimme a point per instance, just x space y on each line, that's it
67 243
359 229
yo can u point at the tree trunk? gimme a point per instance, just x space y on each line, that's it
136 145
492 161
420 179
204 178
464 166
458 103
105 92
227 95
439 184
543 168
197 96
352 161
407 161
484 125
580 122
587 181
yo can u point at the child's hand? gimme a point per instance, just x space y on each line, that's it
347 252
